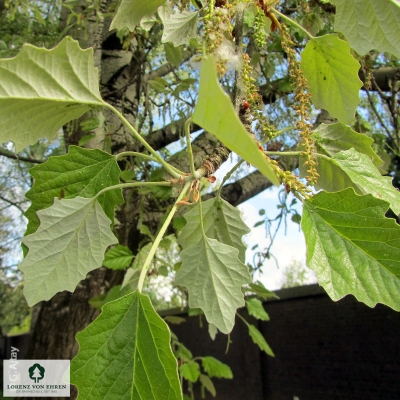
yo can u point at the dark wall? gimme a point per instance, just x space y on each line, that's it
324 350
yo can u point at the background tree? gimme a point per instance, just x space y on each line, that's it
148 71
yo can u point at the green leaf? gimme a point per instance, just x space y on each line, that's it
353 169
212 331
147 22
261 291
332 138
184 353
162 192
125 354
221 221
215 113
259 340
256 309
332 74
71 240
81 172
173 54
190 371
41 90
157 86
214 275
207 383
113 294
130 13
180 28
118 257
353 247
369 25
215 368
172 319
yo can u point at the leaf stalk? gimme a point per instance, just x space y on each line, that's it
159 237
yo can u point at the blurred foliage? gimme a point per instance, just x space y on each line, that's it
24 21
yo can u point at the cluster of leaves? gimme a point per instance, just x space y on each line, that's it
351 245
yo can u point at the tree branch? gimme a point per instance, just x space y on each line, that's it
243 189
13 156
16 205
168 67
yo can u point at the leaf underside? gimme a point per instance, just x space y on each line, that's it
41 90
215 113
70 242
214 275
221 221
353 247
180 28
126 354
130 13
369 25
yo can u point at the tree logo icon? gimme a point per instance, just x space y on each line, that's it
36 372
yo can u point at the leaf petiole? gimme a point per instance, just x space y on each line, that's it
294 23
136 134
158 238
145 157
189 146
132 184
283 153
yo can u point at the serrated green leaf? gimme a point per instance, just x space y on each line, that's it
113 294
195 311
190 371
118 257
353 247
172 319
259 340
70 241
162 192
332 74
85 139
214 275
130 13
184 353
81 172
256 309
180 28
41 90
352 169
173 54
207 383
261 291
332 138
215 368
221 221
369 25
157 86
215 113
125 354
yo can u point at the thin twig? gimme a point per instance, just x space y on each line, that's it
10 154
